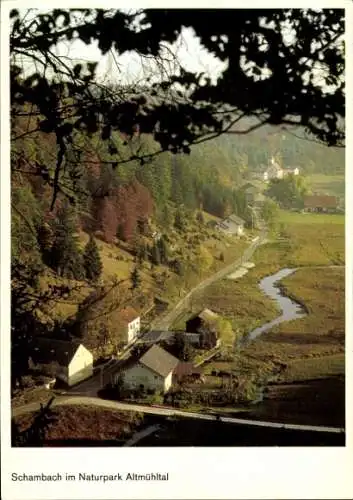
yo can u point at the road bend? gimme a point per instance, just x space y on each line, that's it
170 412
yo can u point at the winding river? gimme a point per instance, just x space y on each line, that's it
290 309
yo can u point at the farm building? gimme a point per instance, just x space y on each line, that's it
232 225
206 316
186 371
320 203
203 324
67 361
153 370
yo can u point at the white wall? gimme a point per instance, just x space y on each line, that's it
168 382
140 375
133 329
81 366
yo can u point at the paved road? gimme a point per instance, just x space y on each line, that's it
142 434
102 377
166 321
170 412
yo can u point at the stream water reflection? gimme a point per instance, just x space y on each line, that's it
290 309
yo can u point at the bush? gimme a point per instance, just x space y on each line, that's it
28 382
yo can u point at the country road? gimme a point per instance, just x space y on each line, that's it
167 320
170 412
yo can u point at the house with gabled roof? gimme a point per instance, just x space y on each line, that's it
66 360
200 319
152 371
204 323
320 203
129 323
232 224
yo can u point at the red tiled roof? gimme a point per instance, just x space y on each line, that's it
320 201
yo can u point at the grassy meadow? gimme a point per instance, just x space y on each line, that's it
333 185
301 360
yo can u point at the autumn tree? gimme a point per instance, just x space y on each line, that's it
25 223
105 215
289 192
200 218
204 259
270 213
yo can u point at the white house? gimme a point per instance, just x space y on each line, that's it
232 225
274 171
294 171
129 323
68 361
154 370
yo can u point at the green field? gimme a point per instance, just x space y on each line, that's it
300 351
304 240
327 184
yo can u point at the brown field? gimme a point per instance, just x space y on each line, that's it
84 425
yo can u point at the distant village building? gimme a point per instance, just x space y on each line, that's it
275 171
293 171
232 224
65 360
320 203
129 323
153 370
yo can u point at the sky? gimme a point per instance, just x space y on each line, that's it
132 68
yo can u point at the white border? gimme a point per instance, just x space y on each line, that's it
194 472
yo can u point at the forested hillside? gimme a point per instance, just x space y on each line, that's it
106 196
295 150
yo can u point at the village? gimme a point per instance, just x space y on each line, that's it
161 365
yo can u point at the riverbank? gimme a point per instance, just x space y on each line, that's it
299 363
291 308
